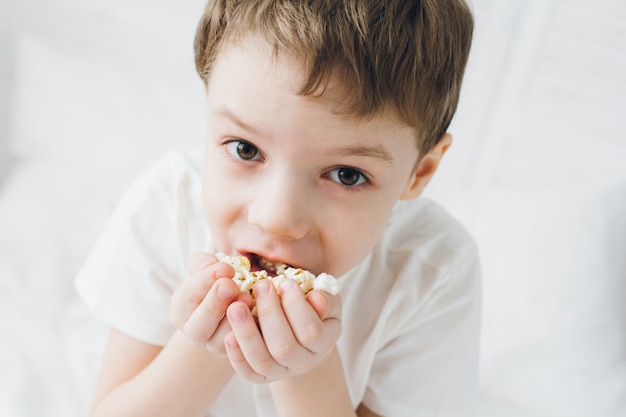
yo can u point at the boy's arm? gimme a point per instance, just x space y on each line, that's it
319 392
322 392
185 377
180 379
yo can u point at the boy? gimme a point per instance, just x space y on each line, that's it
321 117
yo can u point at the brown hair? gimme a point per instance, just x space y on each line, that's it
405 55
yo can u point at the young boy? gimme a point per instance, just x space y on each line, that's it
326 119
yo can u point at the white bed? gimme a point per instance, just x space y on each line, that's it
92 92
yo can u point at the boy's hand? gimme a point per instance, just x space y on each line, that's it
295 332
198 306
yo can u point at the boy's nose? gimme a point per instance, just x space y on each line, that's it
281 210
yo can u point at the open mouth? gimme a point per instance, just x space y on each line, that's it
259 263
250 268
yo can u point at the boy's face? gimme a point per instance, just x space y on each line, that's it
287 179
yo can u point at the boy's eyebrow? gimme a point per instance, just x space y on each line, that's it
224 112
377 152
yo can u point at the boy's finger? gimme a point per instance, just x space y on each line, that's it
206 318
316 334
250 348
276 329
187 298
325 305
215 344
238 360
200 261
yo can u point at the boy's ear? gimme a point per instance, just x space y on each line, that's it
426 168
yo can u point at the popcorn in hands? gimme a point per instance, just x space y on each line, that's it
245 278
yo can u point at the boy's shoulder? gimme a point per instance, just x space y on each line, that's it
175 175
174 166
424 263
425 229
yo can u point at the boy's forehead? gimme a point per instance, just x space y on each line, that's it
258 57
250 59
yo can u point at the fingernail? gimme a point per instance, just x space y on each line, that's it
262 287
224 293
238 314
288 284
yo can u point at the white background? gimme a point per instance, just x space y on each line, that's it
92 92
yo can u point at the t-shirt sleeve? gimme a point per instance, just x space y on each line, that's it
137 263
429 367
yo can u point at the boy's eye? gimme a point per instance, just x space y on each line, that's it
347 176
244 150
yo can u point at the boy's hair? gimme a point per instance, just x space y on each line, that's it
407 56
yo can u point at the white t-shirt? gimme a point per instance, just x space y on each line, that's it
411 309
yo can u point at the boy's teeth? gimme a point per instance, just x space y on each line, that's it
272 266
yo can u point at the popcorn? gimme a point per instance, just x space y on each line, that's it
307 281
326 282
